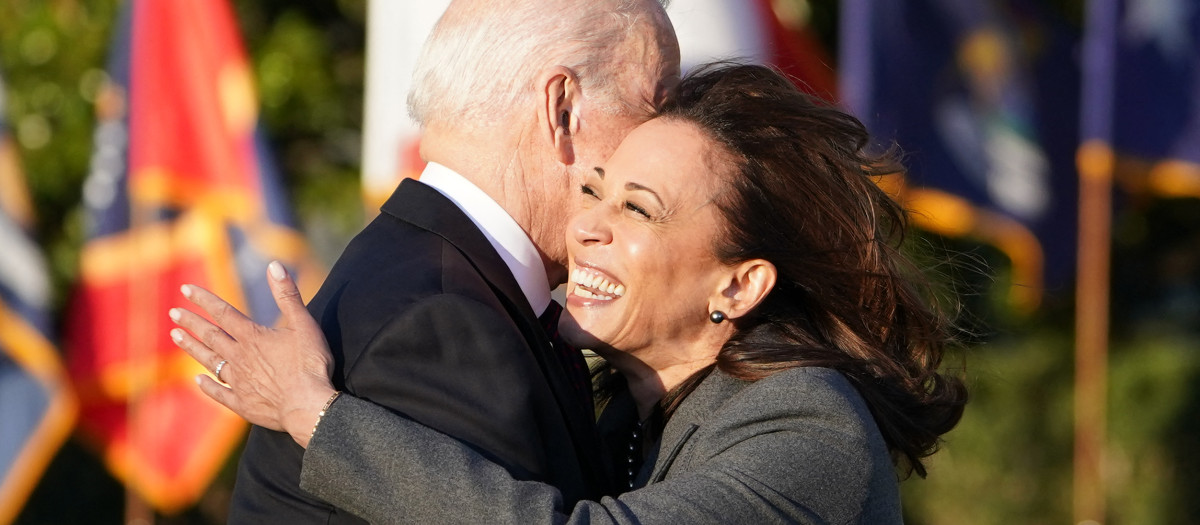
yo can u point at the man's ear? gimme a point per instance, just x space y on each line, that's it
748 285
559 114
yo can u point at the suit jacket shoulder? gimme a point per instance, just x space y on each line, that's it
420 246
424 319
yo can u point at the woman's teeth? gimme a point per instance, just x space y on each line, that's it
595 286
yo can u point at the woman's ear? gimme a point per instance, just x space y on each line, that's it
749 283
559 113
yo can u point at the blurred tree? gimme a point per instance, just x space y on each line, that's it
1009 461
53 57
308 58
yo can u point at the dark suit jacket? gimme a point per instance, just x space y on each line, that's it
799 446
424 318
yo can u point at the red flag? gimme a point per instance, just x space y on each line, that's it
793 47
181 191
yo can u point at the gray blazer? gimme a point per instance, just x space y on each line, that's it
797 447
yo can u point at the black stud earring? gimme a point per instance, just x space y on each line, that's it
716 317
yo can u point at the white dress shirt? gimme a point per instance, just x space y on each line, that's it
506 236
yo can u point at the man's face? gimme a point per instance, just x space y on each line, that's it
646 69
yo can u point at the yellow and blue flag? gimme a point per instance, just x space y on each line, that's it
981 97
1141 94
37 408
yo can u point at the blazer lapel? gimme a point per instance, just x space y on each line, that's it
708 397
426 208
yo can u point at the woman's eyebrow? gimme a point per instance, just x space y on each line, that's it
635 186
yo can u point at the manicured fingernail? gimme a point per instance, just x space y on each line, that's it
186 290
276 270
177 335
174 314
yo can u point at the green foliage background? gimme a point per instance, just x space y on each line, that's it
1009 461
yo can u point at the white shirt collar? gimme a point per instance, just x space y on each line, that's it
506 236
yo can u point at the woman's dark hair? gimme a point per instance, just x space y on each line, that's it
803 195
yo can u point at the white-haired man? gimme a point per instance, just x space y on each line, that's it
433 309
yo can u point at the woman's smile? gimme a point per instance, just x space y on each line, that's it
594 286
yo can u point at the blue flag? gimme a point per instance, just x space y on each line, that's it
1142 92
37 410
986 120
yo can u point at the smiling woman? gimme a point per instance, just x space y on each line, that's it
648 224
769 357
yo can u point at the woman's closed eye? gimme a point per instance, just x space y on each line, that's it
637 209
589 191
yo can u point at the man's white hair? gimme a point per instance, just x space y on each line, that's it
480 66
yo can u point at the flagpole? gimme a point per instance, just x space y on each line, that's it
1095 162
142 354
137 511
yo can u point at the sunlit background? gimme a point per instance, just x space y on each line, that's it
1076 414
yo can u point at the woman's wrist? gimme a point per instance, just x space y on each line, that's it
301 422
328 403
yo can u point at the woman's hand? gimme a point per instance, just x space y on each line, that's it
276 378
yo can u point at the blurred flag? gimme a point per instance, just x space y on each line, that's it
981 96
37 408
763 31
1142 93
181 190
395 33
772 32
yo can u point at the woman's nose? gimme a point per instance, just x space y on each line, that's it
591 226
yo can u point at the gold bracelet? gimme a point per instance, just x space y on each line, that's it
321 414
